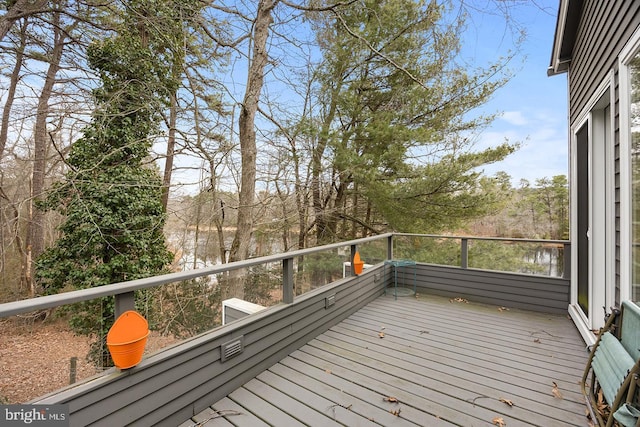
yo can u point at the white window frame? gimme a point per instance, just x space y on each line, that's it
602 223
631 49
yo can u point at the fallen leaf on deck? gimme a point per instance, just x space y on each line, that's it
391 399
556 393
340 405
507 401
395 412
499 422
458 299
424 332
328 371
602 405
381 334
501 309
537 341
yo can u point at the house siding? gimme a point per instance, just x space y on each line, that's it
604 29
602 33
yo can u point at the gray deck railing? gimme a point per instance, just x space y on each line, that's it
465 240
168 386
124 292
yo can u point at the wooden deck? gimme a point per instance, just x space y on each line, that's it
445 362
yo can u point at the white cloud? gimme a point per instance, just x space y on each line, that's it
543 145
515 118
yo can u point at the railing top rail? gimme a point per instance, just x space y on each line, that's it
503 239
50 301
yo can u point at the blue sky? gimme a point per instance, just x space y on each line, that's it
533 106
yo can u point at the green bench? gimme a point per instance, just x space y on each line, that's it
613 369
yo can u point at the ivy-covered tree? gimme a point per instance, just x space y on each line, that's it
111 196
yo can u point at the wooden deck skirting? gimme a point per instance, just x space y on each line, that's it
446 362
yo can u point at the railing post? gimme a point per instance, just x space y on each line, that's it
125 302
287 281
354 249
73 369
464 253
390 247
566 271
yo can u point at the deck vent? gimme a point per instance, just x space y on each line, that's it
329 301
231 348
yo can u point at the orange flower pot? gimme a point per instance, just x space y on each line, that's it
127 338
358 264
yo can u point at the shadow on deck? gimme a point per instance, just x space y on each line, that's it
446 362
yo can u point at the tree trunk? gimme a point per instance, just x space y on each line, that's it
220 233
196 235
255 79
41 142
4 135
20 9
319 205
11 93
12 224
171 148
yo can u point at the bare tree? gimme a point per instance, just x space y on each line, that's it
246 123
13 84
44 109
35 239
20 9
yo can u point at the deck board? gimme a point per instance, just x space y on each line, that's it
345 397
207 418
244 419
446 362
454 381
296 408
317 399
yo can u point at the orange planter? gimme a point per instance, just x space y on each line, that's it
127 338
358 264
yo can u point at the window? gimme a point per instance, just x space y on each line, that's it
634 151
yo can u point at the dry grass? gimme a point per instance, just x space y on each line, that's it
35 358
